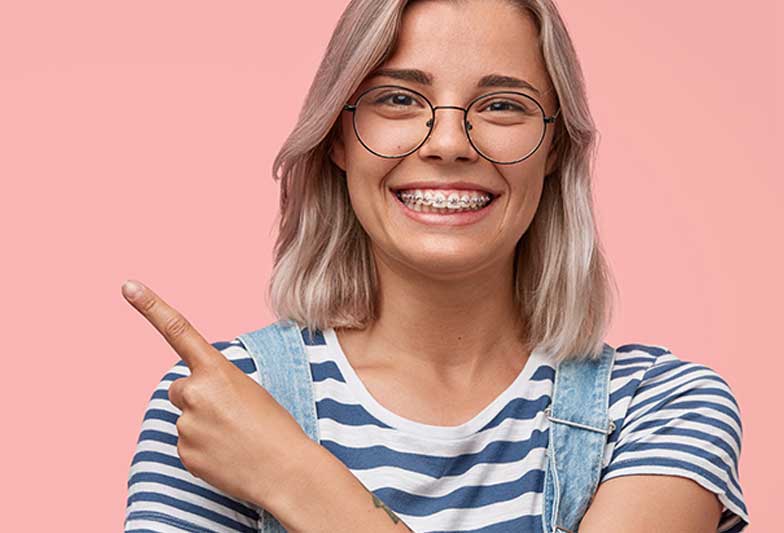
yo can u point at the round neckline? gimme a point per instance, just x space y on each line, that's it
419 428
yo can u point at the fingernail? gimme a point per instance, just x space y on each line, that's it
131 289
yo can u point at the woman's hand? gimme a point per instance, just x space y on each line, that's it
232 433
235 436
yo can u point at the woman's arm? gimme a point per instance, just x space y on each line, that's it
650 504
324 497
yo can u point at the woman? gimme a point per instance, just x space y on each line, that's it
437 247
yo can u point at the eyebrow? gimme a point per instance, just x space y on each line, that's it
425 78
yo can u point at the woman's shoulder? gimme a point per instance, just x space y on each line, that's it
236 351
162 493
655 367
675 416
244 349
649 378
237 354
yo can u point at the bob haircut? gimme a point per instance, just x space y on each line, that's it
324 274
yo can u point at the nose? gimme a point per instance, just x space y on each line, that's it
448 140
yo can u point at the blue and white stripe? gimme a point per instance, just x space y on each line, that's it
672 417
162 495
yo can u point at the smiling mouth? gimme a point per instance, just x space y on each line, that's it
444 201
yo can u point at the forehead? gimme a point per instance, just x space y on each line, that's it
459 42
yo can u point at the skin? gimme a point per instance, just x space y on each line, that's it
446 341
223 438
446 293
226 416
445 299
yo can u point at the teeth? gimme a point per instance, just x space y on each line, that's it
436 201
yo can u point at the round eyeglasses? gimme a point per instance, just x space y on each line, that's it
504 127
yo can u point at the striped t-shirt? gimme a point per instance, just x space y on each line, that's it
672 417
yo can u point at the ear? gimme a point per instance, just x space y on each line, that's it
337 152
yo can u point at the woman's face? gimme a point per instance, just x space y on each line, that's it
456 44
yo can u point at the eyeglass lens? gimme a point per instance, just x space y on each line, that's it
504 127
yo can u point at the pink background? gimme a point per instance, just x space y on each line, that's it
136 140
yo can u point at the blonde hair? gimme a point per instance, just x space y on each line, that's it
324 274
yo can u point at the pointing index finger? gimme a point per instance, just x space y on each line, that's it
175 328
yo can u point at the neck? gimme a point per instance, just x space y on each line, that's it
459 329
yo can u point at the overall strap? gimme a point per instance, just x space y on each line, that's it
579 427
279 354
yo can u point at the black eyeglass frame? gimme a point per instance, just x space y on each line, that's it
547 120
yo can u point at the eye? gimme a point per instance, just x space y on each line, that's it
504 105
395 99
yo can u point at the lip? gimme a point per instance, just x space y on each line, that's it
458 185
463 218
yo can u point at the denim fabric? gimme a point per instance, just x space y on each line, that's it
285 373
579 427
578 415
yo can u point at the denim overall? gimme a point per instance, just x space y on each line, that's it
578 415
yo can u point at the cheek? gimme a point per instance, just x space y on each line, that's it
367 173
526 176
367 187
360 162
526 181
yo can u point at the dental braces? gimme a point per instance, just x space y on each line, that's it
438 200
